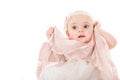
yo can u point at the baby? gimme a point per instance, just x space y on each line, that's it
84 55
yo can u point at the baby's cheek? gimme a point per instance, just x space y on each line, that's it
89 37
71 36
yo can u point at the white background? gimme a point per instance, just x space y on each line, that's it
23 24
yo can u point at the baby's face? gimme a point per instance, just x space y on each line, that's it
80 27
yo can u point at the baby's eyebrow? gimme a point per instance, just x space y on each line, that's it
86 22
73 23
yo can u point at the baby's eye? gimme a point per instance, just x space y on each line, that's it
86 26
74 27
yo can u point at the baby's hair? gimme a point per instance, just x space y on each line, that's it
73 14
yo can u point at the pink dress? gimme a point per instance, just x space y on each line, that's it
64 59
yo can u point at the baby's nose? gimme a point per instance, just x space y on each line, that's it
80 30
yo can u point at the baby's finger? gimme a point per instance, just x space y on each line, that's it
49 32
97 24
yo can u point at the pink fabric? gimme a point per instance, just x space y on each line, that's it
61 49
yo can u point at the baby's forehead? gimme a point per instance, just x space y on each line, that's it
80 18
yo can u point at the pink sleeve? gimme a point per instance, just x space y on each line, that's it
45 56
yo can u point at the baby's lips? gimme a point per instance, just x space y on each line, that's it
81 36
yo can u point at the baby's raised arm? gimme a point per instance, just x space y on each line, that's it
108 37
46 55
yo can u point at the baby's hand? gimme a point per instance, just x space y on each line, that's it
50 32
97 25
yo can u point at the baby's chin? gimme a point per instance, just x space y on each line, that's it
83 40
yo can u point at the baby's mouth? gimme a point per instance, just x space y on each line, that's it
81 36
